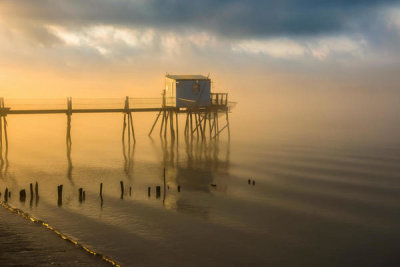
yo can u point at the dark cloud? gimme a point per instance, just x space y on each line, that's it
233 18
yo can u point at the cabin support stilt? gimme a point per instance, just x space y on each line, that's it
3 132
128 124
68 137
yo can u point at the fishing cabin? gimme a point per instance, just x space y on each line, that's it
183 91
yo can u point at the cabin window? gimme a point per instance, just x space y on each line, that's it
196 88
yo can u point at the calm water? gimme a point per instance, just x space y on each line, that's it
315 201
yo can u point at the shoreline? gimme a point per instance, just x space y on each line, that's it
24 241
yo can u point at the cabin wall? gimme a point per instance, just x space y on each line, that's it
170 92
185 91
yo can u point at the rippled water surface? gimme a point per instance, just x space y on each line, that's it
313 203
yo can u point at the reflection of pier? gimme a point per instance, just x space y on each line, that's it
198 168
195 164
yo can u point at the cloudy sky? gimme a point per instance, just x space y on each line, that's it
52 48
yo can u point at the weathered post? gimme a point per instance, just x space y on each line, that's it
122 189
6 195
22 195
148 191
59 189
179 188
130 190
101 190
80 194
31 189
158 191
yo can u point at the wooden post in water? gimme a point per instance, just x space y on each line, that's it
101 190
166 123
179 188
6 195
155 122
158 191
80 194
148 191
130 191
22 195
122 189
59 191
31 189
177 125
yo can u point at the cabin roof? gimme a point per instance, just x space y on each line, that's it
187 77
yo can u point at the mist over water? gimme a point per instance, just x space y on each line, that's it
326 187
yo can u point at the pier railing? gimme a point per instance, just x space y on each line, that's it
60 105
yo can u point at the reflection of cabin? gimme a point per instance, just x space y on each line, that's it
187 91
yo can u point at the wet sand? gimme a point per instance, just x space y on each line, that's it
24 243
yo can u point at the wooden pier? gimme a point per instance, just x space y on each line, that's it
201 122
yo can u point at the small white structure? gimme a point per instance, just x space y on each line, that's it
187 91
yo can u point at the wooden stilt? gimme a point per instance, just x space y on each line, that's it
186 124
191 124
155 122
217 124
197 124
227 123
209 123
162 122
177 125
124 129
204 125
132 128
171 124
166 123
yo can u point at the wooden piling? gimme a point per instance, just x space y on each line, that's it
59 191
158 191
130 191
177 125
122 189
6 195
80 194
101 190
179 188
31 190
155 122
22 195
148 191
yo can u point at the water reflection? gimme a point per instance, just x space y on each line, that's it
4 164
69 149
128 152
196 168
